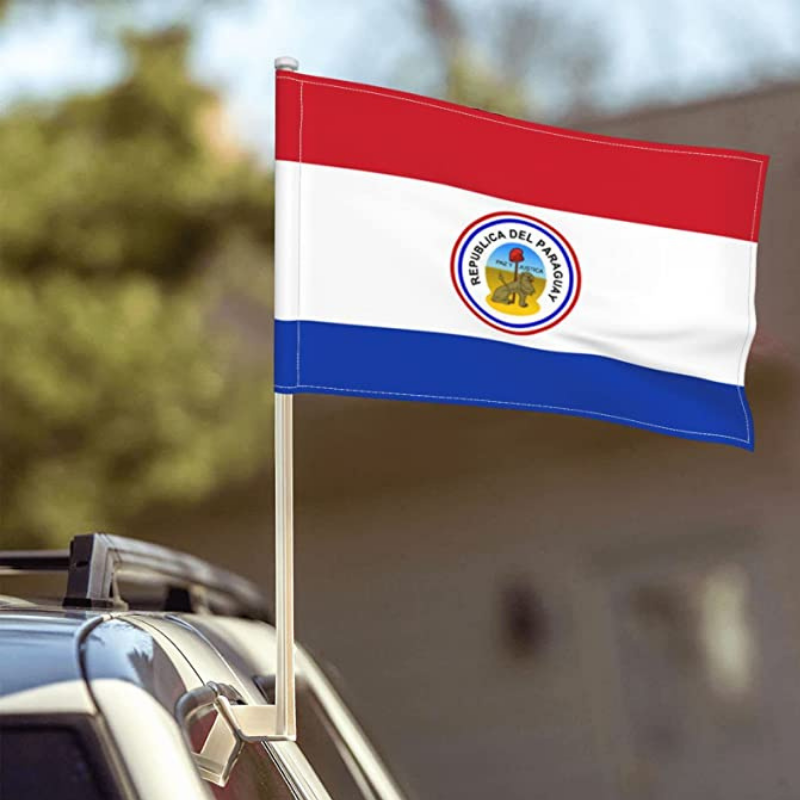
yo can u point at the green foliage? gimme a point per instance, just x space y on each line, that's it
121 383
124 181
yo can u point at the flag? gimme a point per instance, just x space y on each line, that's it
432 252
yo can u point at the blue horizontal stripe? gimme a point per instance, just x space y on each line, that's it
325 358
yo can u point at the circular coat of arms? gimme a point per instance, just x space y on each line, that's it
515 273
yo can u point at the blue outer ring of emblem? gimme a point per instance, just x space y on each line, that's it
482 311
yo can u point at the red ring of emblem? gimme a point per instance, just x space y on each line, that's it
556 235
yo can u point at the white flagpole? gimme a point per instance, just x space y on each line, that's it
258 723
286 717
284 567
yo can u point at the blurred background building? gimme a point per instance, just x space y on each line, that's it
521 605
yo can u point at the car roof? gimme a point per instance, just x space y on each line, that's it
48 645
117 663
39 646
50 642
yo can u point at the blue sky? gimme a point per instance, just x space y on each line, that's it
664 51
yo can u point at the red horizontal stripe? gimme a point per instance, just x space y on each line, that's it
341 124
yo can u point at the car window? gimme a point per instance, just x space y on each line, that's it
317 737
327 753
43 761
254 776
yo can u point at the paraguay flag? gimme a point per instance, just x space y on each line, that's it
428 251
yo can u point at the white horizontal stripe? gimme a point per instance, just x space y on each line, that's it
375 250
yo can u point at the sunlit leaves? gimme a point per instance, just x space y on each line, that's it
128 242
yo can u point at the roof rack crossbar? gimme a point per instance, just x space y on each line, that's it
97 559
14 562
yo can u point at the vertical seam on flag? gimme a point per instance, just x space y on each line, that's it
759 193
750 301
748 338
740 392
299 224
530 126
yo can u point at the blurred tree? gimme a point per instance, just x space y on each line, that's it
124 220
562 61
528 47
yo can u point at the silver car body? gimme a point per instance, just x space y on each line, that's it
121 670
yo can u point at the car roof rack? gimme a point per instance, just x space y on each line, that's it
33 561
95 562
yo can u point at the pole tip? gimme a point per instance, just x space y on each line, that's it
287 62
